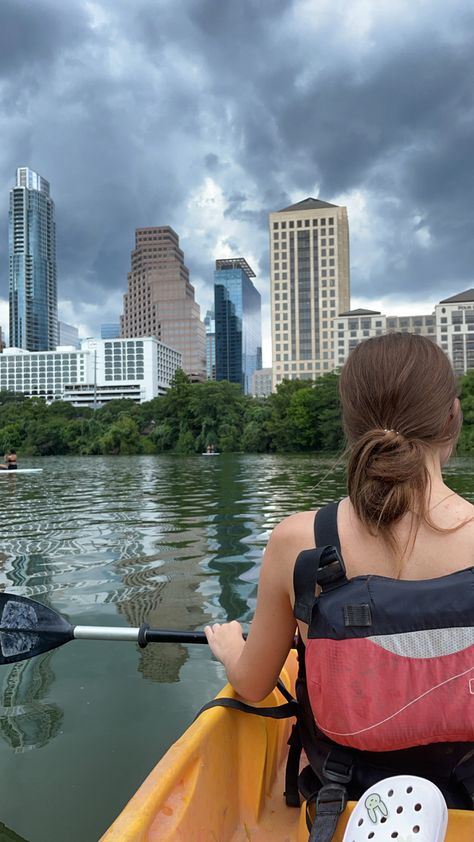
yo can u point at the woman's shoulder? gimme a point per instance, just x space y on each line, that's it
295 532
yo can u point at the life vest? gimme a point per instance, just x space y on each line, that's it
386 681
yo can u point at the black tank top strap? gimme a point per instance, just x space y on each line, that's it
325 527
319 565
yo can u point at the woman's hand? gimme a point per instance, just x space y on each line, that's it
226 642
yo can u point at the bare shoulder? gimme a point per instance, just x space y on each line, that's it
294 533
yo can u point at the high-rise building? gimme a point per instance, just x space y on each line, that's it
32 264
68 335
160 299
210 325
110 330
309 270
238 321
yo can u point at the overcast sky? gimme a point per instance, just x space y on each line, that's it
208 114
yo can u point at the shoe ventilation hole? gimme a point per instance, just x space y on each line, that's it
371 835
417 807
399 809
394 834
361 821
409 789
383 820
416 829
390 793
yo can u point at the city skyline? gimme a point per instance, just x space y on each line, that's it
149 115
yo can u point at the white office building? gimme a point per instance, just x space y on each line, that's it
354 326
102 370
455 329
451 326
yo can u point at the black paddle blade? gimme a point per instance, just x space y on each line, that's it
28 628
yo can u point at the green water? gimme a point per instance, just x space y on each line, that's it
175 541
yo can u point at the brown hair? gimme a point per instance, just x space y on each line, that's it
397 394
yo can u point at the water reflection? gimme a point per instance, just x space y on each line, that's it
27 722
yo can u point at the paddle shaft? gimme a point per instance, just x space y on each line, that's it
135 634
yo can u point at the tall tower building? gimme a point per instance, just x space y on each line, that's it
238 322
32 264
309 270
210 325
160 299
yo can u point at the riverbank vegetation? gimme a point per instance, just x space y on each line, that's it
301 416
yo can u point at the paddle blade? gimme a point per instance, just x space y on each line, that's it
28 628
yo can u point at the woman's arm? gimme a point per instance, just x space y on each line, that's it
253 666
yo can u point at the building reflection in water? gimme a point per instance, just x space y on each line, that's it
27 722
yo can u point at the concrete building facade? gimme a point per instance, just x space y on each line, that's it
310 285
160 299
455 329
354 326
33 299
102 370
262 382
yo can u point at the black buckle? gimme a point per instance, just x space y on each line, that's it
338 769
331 568
331 800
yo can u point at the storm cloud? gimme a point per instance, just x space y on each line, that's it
208 114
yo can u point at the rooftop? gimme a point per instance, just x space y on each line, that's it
361 312
308 204
235 263
467 295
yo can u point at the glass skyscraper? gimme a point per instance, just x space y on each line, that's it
32 264
238 322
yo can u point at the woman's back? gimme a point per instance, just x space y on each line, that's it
428 555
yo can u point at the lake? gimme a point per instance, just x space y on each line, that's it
173 541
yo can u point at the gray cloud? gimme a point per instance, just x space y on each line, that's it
129 108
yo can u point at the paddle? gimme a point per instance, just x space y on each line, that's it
28 628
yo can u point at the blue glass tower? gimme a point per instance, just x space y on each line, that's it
238 322
32 264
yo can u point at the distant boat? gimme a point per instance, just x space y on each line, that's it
211 453
20 471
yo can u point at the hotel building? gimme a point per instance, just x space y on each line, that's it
160 299
451 326
309 273
455 329
356 325
32 264
102 370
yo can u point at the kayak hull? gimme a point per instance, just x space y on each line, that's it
223 780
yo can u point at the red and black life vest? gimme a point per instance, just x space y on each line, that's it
386 681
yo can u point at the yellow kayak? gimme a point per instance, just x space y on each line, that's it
223 781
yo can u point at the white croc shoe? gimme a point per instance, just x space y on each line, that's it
403 808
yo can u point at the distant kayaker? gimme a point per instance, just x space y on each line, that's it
386 651
10 463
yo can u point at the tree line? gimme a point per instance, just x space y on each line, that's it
301 415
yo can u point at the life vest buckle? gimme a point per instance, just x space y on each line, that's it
331 800
338 768
331 570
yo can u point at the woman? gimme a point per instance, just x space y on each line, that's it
10 463
401 522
